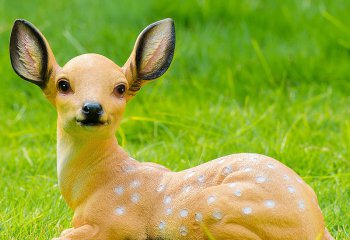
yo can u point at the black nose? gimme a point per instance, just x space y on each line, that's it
92 110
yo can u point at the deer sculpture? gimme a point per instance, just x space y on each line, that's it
240 196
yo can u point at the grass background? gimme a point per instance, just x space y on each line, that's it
270 77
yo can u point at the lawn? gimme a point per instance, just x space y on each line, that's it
270 77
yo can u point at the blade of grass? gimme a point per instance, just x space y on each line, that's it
207 232
263 61
336 22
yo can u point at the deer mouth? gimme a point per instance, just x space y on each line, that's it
91 123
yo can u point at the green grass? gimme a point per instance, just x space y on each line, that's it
270 77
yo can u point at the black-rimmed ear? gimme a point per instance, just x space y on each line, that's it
152 54
31 56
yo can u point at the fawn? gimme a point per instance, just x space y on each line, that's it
240 196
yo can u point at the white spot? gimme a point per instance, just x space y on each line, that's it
119 190
135 197
286 177
184 213
129 168
299 180
271 165
217 215
149 168
119 210
198 217
190 174
254 158
222 160
169 211
291 189
232 185
301 205
187 188
247 169
227 170
167 200
237 193
260 179
135 184
247 210
183 230
201 179
270 203
211 199
161 225
160 188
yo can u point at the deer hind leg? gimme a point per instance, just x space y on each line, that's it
229 232
246 207
85 232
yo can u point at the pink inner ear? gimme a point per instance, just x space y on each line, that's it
154 50
29 54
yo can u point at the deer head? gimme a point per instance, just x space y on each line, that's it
90 92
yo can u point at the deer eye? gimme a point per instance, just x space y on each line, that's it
63 86
120 90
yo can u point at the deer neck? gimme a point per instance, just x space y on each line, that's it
83 164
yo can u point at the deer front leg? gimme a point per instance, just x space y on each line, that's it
85 232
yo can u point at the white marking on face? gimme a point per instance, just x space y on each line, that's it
260 179
291 189
211 199
232 185
187 188
167 200
183 230
198 217
160 188
184 213
227 170
135 184
270 203
169 211
135 197
217 214
201 179
119 190
161 225
247 210
120 210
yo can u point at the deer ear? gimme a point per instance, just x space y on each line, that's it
31 56
152 54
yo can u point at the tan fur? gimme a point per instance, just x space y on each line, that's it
241 196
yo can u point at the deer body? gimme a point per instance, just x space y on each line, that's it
235 197
241 196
